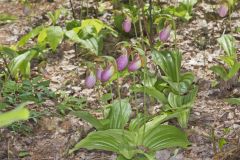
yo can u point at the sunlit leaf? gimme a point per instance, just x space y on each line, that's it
54 36
18 114
165 136
28 36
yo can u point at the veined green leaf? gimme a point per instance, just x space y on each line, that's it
89 118
22 63
151 91
220 71
98 25
28 36
109 140
54 36
119 114
228 43
20 113
233 70
169 62
163 137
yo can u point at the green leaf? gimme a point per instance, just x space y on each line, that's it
221 143
42 36
72 35
89 118
235 101
7 18
220 71
234 70
115 140
54 36
228 43
169 62
28 36
20 113
7 51
98 25
151 91
119 114
137 122
21 64
163 137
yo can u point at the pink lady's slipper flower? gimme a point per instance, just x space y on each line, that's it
126 25
135 64
90 80
99 73
165 33
122 62
223 10
107 73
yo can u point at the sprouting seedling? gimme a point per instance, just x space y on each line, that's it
127 25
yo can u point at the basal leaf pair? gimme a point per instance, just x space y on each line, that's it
142 138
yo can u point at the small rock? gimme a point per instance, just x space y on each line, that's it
230 115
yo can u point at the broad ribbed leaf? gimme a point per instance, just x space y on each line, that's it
98 25
228 43
54 36
155 122
72 35
151 91
109 140
20 113
169 62
164 136
89 118
119 114
28 36
220 71
21 63
174 100
137 122
235 69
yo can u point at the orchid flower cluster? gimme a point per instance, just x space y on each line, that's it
104 75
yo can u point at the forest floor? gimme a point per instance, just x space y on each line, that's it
53 134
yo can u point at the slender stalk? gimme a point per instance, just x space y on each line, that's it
141 5
111 90
144 88
135 30
6 66
151 21
73 12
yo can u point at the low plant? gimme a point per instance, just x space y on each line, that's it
70 103
35 90
142 138
174 89
18 114
230 66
